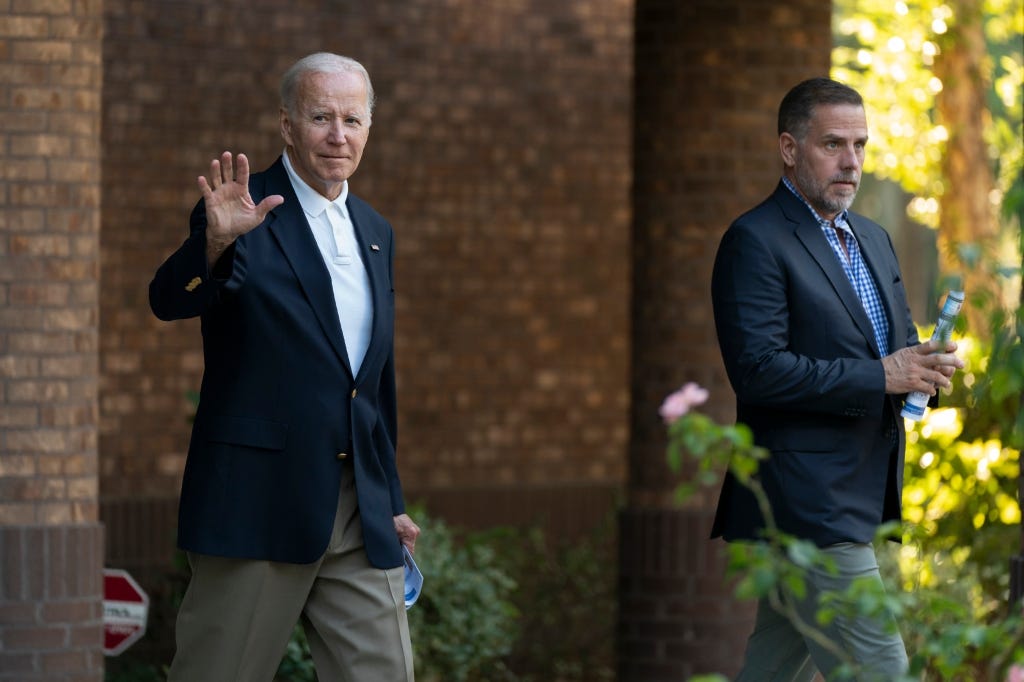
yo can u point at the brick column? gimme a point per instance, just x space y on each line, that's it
708 78
50 539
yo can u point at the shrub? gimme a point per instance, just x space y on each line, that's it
464 623
567 597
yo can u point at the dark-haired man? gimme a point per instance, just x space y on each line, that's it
820 349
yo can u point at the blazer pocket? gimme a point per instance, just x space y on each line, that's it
253 433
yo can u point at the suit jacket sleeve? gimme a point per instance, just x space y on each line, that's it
772 304
184 285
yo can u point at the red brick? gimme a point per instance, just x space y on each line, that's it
77 28
39 245
19 416
22 219
40 145
40 342
68 415
88 637
24 169
84 488
18 367
36 391
54 513
68 367
82 124
36 440
65 661
51 7
14 663
24 27
39 293
36 638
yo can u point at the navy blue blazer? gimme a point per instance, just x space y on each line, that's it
279 403
800 354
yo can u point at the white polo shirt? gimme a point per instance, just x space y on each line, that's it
336 237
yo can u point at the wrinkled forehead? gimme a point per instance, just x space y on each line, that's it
344 90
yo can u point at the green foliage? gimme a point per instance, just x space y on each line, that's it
464 623
697 437
963 467
947 635
297 663
960 499
567 598
508 605
880 44
963 463
993 383
132 670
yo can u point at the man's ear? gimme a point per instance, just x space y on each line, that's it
286 127
787 148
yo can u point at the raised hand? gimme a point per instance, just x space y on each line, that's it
230 210
924 367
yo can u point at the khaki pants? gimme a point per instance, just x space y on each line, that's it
238 615
776 652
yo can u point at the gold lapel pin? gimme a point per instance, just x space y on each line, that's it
196 281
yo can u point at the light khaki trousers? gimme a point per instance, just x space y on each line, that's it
777 652
238 615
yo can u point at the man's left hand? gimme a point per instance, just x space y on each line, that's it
407 531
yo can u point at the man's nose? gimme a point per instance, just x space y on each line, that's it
336 134
851 157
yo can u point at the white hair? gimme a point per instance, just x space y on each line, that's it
321 62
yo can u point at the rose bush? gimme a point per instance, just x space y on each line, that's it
700 449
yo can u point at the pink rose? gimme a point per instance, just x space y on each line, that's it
679 403
1015 674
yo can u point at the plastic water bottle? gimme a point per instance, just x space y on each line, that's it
917 401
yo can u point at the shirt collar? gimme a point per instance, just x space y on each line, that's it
840 220
312 202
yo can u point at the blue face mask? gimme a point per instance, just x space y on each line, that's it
413 579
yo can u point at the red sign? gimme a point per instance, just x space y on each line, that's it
125 607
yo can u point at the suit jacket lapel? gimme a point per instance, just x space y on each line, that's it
289 226
374 250
809 232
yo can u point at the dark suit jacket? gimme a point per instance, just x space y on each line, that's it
800 354
279 401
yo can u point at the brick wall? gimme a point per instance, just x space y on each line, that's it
50 540
500 151
709 75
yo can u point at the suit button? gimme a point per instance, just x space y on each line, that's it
342 455
354 392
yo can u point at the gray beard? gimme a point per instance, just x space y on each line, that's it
815 193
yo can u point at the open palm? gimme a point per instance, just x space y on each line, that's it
230 210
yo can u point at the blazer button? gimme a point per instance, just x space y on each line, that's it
342 455
354 392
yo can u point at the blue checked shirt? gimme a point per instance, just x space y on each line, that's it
856 270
